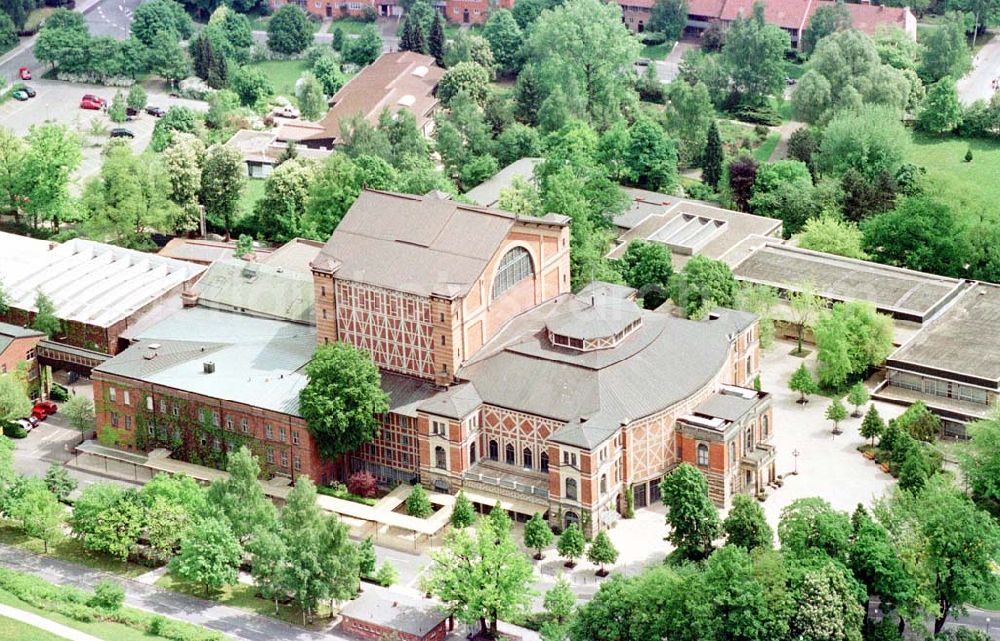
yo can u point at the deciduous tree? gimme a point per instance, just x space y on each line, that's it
39 512
288 31
831 235
802 382
746 526
506 39
240 498
702 281
537 535
945 51
691 515
46 320
754 54
14 400
872 425
59 482
222 179
940 112
857 396
825 20
210 555
418 504
836 412
79 411
571 544
601 552
343 398
647 266
364 49
669 17
463 514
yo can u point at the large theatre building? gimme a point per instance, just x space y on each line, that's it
502 382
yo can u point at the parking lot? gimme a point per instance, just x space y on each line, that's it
60 102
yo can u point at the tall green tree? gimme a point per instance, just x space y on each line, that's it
872 425
463 514
166 58
712 157
160 16
940 112
571 544
669 17
436 40
39 512
827 606
14 400
647 266
288 31
980 461
343 398
811 528
54 152
945 50
691 515
481 579
59 482
79 411
364 49
418 504
850 339
802 382
108 519
45 319
601 552
825 20
222 179
921 233
210 556
754 55
240 498
870 140
650 157
506 39
703 282
746 526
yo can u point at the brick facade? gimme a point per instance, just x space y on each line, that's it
20 350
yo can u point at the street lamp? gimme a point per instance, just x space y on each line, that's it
795 456
987 625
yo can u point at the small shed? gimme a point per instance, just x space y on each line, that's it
379 612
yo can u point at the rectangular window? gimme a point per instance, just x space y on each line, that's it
114 419
244 426
202 440
30 354
298 463
149 403
268 431
215 419
176 409
151 429
216 445
295 437
284 459
126 399
438 428
229 423
163 406
128 422
282 434
270 456
113 394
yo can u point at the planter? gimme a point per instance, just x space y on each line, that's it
569 564
885 467
869 455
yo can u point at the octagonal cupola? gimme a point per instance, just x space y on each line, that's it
600 322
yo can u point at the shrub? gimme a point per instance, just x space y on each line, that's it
59 393
362 484
386 575
14 430
653 38
758 115
107 596
368 14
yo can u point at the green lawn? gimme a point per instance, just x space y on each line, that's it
11 629
99 629
252 192
766 148
36 17
349 26
794 69
967 186
260 24
656 52
243 597
69 549
283 74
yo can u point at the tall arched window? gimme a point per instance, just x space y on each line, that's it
440 458
494 451
472 453
526 458
604 484
702 454
748 440
571 489
514 267
543 462
763 425
509 454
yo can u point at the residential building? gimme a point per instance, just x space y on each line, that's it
18 347
791 15
458 11
98 290
396 81
262 150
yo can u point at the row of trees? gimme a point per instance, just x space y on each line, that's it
817 585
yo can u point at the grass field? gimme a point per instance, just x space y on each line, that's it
766 148
349 26
253 191
68 549
241 596
283 74
657 52
36 17
967 186
99 629
11 629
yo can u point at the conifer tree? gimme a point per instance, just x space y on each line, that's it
436 43
419 38
711 163
872 426
463 514
406 39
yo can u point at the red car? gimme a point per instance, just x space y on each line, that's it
90 101
44 409
25 73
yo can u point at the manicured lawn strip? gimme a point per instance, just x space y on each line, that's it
766 148
11 629
970 187
244 597
657 52
36 16
349 26
253 191
283 74
69 549
99 629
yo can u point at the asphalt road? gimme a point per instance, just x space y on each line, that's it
978 83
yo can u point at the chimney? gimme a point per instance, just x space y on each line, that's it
208 367
189 298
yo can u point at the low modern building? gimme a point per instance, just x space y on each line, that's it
687 227
204 252
262 150
951 364
18 349
791 15
396 81
98 290
383 614
487 193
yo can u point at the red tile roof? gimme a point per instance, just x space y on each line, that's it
788 14
705 8
869 17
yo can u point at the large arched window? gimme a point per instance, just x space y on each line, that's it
440 458
494 451
509 454
604 484
514 267
702 454
472 453
543 462
571 489
526 458
764 425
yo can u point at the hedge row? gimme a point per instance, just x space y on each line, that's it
76 604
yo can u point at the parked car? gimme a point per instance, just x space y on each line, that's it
29 90
24 73
155 111
131 112
26 425
90 101
121 132
643 62
286 111
20 94
790 81
31 420
46 406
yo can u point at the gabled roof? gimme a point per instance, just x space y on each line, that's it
258 289
9 333
417 244
869 17
403 80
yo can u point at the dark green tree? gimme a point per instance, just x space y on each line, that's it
712 158
703 282
59 482
436 40
824 21
289 31
364 49
872 425
537 535
669 18
647 266
45 319
418 504
463 514
209 555
691 515
343 398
